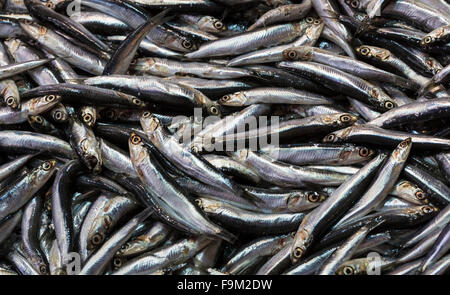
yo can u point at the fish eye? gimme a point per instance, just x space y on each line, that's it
292 54
345 118
43 269
364 51
194 149
87 118
28 22
58 115
97 239
313 197
354 3
199 203
137 101
125 247
38 119
146 114
348 270
117 262
218 25
214 110
225 98
330 137
50 98
317 22
136 139
10 101
298 252
389 105
364 152
427 209
427 40
420 195
309 19
405 143
49 5
46 166
187 44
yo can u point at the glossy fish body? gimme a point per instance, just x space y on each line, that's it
20 192
346 83
248 41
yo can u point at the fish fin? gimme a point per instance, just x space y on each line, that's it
160 17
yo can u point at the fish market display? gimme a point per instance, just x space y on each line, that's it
224 137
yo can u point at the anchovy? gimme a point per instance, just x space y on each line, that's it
168 68
370 134
350 85
120 61
245 42
49 17
22 190
159 184
65 49
313 29
315 223
346 64
382 184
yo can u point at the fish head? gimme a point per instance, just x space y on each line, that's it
431 38
298 53
45 171
353 267
338 136
211 24
356 153
41 104
99 228
33 29
149 123
298 202
59 113
12 102
138 151
339 119
302 241
380 100
90 152
373 52
402 150
236 99
88 115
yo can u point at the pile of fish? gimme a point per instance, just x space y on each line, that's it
224 137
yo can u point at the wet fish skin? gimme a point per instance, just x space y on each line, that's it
30 229
99 260
350 85
382 184
363 134
62 217
316 222
21 191
159 184
245 42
